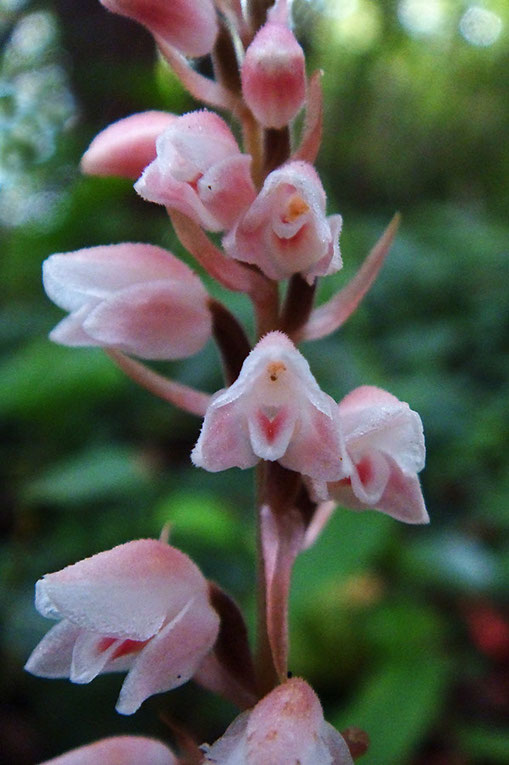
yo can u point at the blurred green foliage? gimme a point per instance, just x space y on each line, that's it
384 619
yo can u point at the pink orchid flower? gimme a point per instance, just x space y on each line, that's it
127 146
385 442
274 72
200 171
188 25
287 726
128 750
142 607
134 297
275 410
285 231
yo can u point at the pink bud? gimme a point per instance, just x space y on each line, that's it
385 442
134 297
126 147
274 74
200 171
141 607
275 410
128 750
188 25
285 231
287 726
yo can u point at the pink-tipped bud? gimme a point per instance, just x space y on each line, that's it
286 726
274 74
126 147
188 25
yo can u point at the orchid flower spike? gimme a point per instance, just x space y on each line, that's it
188 25
285 231
274 72
287 726
136 298
128 750
142 607
385 443
200 171
275 410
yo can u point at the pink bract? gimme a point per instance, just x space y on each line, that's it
141 607
285 231
200 171
286 726
188 25
275 410
134 297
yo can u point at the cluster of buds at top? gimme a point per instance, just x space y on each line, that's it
144 607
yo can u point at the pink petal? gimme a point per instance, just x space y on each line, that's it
223 441
72 279
70 330
172 656
402 497
373 419
318 449
124 750
90 655
227 189
286 726
126 147
369 477
126 592
188 25
155 320
52 657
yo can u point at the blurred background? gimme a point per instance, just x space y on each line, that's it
402 630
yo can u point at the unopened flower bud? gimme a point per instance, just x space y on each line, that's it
274 75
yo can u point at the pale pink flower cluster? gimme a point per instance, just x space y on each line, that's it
144 607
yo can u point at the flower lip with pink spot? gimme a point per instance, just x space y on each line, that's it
199 171
141 607
385 443
275 410
285 231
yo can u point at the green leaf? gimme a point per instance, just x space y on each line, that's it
397 706
486 744
98 473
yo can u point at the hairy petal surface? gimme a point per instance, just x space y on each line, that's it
275 410
142 607
199 171
385 442
285 230
135 297
286 726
